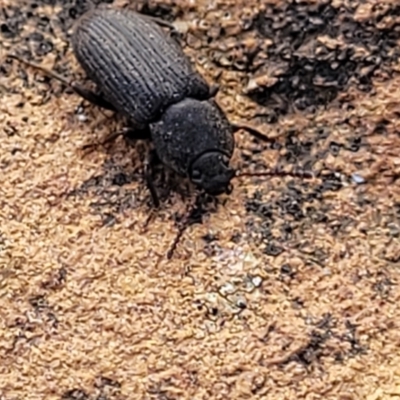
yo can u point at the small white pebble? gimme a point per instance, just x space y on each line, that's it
82 118
257 281
357 178
227 288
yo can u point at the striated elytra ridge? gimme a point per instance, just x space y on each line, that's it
139 68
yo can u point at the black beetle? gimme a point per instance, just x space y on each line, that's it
144 74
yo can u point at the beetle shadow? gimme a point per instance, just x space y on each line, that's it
121 185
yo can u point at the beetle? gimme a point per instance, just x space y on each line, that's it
145 75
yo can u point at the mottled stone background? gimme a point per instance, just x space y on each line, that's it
286 289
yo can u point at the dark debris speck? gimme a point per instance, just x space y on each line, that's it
75 394
273 249
210 237
286 269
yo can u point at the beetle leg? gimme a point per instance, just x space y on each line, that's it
131 133
149 178
90 96
159 21
214 89
252 130
108 139
173 31
76 87
128 132
136 133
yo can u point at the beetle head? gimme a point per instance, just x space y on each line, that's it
212 173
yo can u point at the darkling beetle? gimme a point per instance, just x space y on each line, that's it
144 74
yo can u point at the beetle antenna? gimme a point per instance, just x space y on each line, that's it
278 172
252 130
